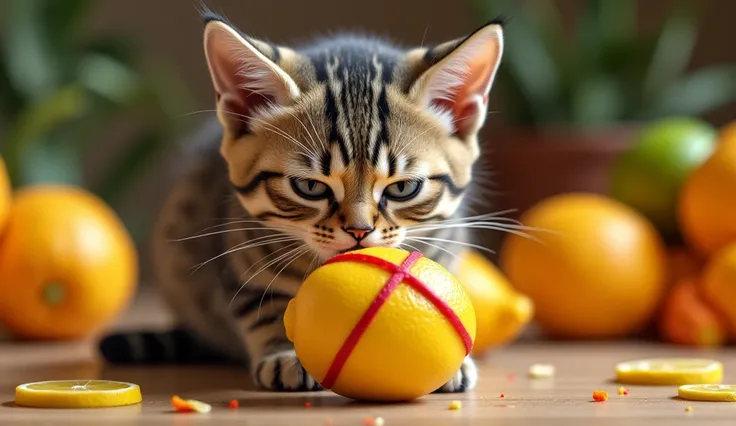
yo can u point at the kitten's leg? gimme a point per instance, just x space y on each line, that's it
464 380
274 364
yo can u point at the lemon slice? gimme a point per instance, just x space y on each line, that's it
77 394
702 392
669 371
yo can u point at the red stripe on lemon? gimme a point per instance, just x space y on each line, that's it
400 273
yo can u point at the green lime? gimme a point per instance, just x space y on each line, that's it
648 176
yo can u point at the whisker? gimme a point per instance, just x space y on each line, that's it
269 255
432 245
410 246
511 229
263 268
461 243
311 264
246 246
301 252
226 231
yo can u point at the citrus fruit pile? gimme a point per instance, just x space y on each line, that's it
656 253
67 264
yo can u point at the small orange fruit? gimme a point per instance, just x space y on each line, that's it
707 204
682 262
598 271
719 284
687 319
67 264
5 196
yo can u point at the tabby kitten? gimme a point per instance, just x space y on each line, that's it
346 143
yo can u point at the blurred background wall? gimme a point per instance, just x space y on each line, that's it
167 39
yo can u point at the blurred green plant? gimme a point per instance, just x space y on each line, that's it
605 71
61 93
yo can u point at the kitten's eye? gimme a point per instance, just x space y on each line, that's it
310 189
403 190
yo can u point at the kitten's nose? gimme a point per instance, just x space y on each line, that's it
358 232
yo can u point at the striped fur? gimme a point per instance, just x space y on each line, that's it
348 142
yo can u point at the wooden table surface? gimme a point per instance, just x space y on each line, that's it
564 400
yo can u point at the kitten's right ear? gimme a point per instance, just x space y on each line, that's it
245 80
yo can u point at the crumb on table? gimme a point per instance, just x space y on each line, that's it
623 391
600 395
456 405
541 371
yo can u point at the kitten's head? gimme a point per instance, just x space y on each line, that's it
350 141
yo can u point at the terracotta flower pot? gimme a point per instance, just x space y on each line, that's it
528 165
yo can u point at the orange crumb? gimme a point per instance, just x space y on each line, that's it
456 405
623 391
368 421
502 396
233 403
688 408
600 395
307 404
511 377
189 405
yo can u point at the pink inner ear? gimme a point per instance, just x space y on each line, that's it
233 97
464 105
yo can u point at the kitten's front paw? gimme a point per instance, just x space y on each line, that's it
282 371
464 380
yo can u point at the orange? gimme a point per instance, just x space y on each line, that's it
682 262
650 174
67 264
707 205
501 312
598 271
367 336
5 195
687 319
719 284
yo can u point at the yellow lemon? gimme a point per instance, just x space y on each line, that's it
501 313
381 324
77 394
669 371
700 392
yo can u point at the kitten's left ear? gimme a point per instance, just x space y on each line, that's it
245 76
459 78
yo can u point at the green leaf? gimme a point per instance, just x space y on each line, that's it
52 159
616 20
35 123
10 100
674 48
531 64
64 19
109 78
34 68
598 100
119 48
697 93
